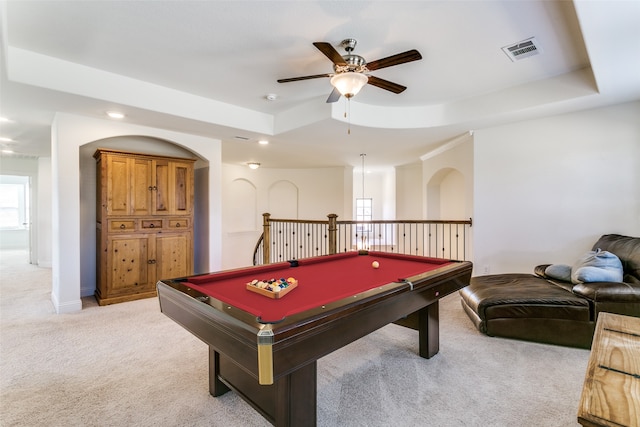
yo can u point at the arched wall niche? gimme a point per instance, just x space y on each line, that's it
445 195
135 144
283 200
73 141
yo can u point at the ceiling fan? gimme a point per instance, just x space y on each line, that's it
351 71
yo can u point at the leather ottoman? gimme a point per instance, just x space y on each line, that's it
528 307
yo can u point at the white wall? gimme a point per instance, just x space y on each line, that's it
43 219
409 194
546 189
13 165
284 193
68 134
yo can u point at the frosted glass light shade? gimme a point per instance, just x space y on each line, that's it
349 83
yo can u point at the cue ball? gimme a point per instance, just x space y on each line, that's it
375 264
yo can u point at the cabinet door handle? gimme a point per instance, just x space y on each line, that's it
151 261
152 225
177 225
122 226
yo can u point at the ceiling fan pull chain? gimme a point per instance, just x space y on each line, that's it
349 119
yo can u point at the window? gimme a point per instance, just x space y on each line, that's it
14 202
363 213
364 209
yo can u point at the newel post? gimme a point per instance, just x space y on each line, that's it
266 238
333 229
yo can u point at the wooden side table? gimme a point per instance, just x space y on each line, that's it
611 391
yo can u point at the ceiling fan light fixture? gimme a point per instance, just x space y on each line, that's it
349 83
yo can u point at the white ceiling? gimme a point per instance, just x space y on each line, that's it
205 67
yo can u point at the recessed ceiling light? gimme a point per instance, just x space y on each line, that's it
5 120
263 142
271 97
115 115
3 139
253 165
7 151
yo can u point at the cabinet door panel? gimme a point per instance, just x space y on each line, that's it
173 187
141 187
173 255
128 265
181 189
118 181
162 191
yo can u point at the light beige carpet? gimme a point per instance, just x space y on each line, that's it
129 365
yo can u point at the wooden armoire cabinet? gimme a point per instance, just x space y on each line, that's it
144 223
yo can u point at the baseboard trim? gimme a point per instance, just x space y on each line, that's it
67 307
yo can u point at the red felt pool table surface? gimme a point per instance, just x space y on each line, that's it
320 281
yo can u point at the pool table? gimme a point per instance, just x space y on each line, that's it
266 349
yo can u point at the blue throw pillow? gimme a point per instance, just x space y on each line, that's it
597 266
559 272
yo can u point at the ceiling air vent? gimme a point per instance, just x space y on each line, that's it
523 49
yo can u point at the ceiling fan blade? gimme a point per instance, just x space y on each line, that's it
401 58
330 52
334 96
385 84
295 79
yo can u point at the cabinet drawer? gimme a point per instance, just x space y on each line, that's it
179 223
122 225
146 224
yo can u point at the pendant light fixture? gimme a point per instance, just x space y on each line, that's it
363 155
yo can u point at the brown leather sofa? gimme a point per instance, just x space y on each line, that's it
536 307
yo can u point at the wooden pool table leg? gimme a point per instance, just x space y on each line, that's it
216 387
428 327
296 398
290 401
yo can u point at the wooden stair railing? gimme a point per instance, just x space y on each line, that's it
285 239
